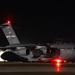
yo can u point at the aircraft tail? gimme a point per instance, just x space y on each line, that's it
9 33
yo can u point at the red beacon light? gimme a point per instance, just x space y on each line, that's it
8 22
57 60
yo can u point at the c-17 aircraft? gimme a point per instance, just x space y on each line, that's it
29 52
17 51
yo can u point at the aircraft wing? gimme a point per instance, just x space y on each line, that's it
4 48
21 45
14 46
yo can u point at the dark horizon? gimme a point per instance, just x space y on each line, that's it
39 21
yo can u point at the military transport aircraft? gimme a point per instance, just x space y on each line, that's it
16 51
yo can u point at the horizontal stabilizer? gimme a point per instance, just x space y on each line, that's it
4 25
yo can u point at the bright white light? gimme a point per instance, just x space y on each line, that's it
58 60
1 52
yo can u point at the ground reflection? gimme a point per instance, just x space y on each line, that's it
58 67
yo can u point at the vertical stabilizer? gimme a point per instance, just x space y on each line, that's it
9 33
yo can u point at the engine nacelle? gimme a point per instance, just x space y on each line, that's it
23 51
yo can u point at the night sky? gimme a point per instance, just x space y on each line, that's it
39 21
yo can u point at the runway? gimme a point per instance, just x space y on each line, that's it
30 68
